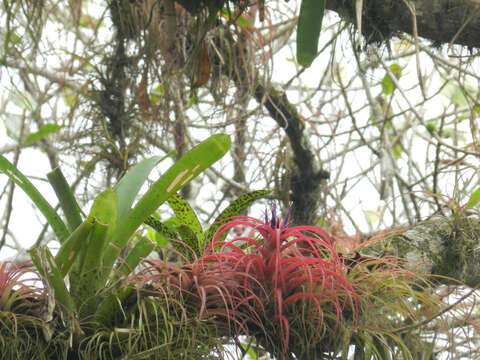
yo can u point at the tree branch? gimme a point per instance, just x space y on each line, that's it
449 247
307 176
442 21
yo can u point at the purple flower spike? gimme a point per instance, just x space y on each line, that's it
274 222
287 217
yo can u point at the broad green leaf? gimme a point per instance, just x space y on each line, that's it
308 30
87 281
104 211
189 238
71 247
165 232
130 184
104 208
92 262
67 201
47 210
185 214
43 132
177 176
474 199
161 228
159 240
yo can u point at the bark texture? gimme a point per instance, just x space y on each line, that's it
442 21
307 174
441 246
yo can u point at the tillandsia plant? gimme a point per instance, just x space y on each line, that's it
300 281
22 312
283 286
90 247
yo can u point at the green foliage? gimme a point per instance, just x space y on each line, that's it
180 174
186 227
308 30
89 252
65 196
388 85
43 132
47 210
474 199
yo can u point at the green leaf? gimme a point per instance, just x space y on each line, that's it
47 267
191 101
156 95
387 83
397 151
431 127
92 262
87 281
109 305
43 132
141 250
104 208
104 211
240 20
474 199
189 238
130 184
67 201
185 214
308 30
161 228
177 176
47 210
250 352
70 248
234 209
